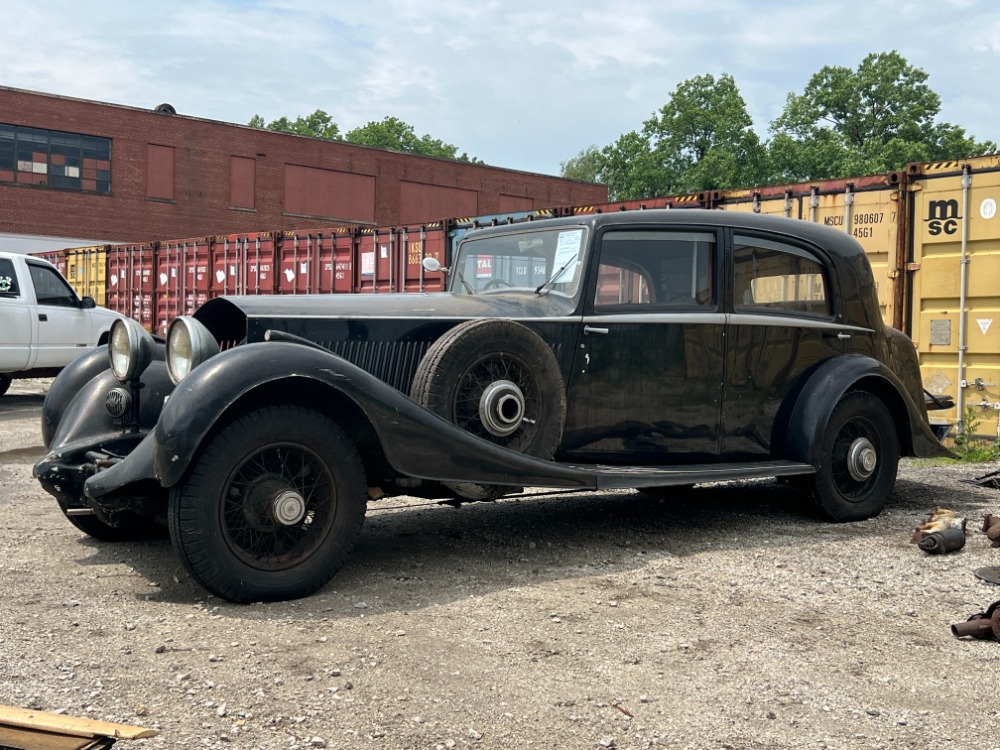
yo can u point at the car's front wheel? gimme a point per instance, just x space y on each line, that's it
4 384
859 456
271 506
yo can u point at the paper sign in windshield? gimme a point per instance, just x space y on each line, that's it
567 252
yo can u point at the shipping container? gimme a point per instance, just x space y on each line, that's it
691 200
457 228
87 271
131 277
244 263
183 279
954 276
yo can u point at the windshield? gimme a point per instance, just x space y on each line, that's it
543 261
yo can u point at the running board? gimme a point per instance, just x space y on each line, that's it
623 477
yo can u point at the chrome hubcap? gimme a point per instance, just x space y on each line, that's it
288 508
501 408
862 459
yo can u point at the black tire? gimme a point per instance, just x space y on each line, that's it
473 356
224 515
129 527
500 381
4 384
860 429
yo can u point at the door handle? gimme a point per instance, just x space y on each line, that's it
840 335
43 317
591 329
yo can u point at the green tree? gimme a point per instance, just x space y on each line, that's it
874 119
318 125
703 137
586 166
391 133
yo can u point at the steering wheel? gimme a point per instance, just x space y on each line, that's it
496 284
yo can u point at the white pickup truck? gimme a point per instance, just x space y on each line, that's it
44 324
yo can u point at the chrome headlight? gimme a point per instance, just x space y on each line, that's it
130 349
189 344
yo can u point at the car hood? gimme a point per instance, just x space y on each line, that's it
232 318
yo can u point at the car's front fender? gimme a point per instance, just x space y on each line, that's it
828 384
415 442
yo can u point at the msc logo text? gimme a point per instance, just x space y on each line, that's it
942 217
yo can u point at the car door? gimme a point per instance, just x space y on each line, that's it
646 385
15 321
783 303
63 327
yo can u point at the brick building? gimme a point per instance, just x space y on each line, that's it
77 171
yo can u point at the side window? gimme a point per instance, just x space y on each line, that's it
775 277
655 268
50 287
8 281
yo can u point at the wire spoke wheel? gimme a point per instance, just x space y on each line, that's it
858 460
498 380
270 506
279 506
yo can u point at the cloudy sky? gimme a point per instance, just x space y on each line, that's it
523 85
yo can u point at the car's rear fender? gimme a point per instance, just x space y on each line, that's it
825 388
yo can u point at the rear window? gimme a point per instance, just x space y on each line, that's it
8 281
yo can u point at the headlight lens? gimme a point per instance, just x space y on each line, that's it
130 349
189 344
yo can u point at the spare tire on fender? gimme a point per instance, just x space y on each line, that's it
498 380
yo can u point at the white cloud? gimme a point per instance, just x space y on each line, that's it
523 85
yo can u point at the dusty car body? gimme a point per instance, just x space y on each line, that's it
640 350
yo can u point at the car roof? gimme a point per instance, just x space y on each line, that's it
835 241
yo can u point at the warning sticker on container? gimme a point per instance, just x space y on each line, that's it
984 324
368 264
988 208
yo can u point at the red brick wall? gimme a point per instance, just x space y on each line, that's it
203 152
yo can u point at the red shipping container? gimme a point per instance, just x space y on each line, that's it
131 280
417 243
299 262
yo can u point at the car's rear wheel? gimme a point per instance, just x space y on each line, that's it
4 384
271 506
859 456
500 381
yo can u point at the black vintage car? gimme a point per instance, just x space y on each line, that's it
644 350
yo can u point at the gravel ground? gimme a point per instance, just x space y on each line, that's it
726 617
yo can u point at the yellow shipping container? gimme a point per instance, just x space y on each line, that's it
87 270
955 279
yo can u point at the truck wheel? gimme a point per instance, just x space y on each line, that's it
4 384
500 381
858 459
271 506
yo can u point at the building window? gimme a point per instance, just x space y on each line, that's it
52 158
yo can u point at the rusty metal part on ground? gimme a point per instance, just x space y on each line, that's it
991 526
940 542
983 626
941 531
